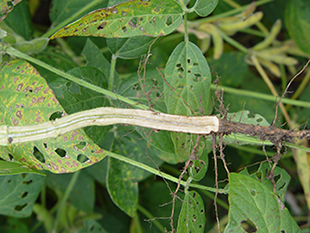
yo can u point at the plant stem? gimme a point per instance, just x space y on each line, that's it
227 13
151 218
232 42
81 11
112 72
64 200
16 53
261 96
302 85
265 77
186 39
162 174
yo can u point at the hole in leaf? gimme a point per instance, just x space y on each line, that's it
133 23
196 77
82 158
20 207
191 87
253 192
259 119
189 71
248 226
281 187
81 145
283 231
136 87
10 156
188 60
155 82
55 115
277 178
200 226
195 64
158 94
61 152
194 195
25 194
168 21
123 13
124 29
38 155
101 26
27 182
202 211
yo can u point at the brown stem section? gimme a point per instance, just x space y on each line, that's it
271 133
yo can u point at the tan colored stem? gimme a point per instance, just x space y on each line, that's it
108 116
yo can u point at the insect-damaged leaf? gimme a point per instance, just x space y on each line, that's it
187 91
192 216
18 194
26 99
252 203
132 18
10 168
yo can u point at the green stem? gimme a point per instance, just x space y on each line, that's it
186 38
227 13
112 72
232 42
161 174
151 218
261 96
73 17
64 200
13 52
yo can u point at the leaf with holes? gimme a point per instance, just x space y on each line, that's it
26 99
192 216
6 6
281 178
11 168
91 226
18 194
187 91
254 205
199 167
205 7
132 18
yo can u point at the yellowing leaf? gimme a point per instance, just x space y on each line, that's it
132 18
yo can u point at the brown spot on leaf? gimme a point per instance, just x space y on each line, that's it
38 117
101 26
74 133
55 167
19 87
46 90
37 89
74 163
28 88
59 161
2 87
19 114
63 170
14 121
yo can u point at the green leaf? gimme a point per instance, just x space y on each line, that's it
281 178
20 20
199 167
205 7
251 201
11 168
297 21
123 191
132 18
6 6
82 195
129 48
63 9
188 80
18 194
95 58
27 100
91 226
192 216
